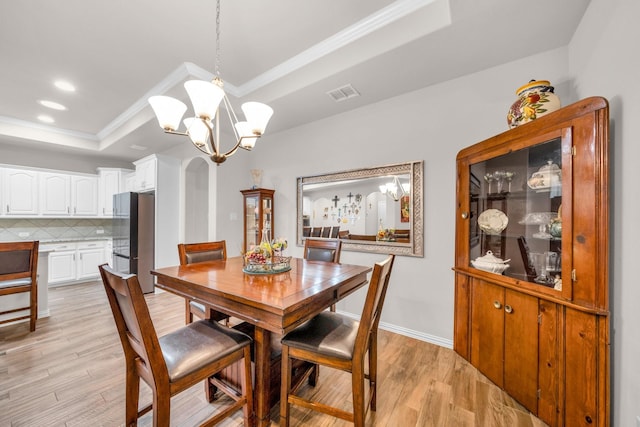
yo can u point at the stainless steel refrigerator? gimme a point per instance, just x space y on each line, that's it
133 236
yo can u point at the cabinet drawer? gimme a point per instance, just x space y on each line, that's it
91 245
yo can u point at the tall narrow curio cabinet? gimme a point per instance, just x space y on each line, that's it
258 216
532 263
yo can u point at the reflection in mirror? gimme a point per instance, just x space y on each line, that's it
372 210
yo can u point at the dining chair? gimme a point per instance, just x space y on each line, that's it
316 231
323 250
174 362
339 342
190 253
326 232
335 231
18 274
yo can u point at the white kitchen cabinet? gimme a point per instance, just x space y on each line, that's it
84 195
89 256
72 262
62 263
112 181
130 181
20 191
55 193
146 173
63 194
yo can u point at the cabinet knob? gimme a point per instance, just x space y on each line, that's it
497 304
465 215
508 309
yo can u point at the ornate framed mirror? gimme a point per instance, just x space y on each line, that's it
376 209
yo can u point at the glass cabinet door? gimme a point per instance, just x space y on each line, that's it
258 216
252 229
515 204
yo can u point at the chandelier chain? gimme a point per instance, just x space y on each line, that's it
217 66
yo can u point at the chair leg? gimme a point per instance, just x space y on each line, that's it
332 308
210 390
373 368
247 389
187 311
285 387
357 387
315 374
161 409
132 396
34 309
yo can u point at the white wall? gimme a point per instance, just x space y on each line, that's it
605 61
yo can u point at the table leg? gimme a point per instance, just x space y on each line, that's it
262 346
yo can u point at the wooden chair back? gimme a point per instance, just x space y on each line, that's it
135 328
322 250
373 303
19 273
190 253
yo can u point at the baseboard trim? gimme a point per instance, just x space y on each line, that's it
433 339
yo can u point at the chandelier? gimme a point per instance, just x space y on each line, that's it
203 128
394 189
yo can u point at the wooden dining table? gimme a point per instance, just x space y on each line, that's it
272 303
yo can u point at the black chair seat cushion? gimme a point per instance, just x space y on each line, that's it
328 333
198 344
15 282
194 257
320 254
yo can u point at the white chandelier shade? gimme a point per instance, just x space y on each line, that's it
198 132
257 115
168 111
205 98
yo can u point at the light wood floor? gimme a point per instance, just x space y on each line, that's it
70 372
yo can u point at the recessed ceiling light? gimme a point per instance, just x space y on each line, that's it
52 105
64 85
46 119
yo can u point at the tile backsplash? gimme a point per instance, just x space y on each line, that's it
44 229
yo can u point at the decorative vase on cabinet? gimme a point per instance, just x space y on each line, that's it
535 99
539 328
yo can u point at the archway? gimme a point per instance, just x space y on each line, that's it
196 210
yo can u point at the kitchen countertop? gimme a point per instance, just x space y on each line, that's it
76 239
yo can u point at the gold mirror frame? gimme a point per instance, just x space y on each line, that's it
415 170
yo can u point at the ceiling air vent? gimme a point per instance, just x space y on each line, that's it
343 93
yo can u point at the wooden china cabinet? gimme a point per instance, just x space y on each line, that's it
537 198
258 216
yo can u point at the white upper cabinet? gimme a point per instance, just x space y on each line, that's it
55 194
112 181
146 173
84 195
20 191
63 194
